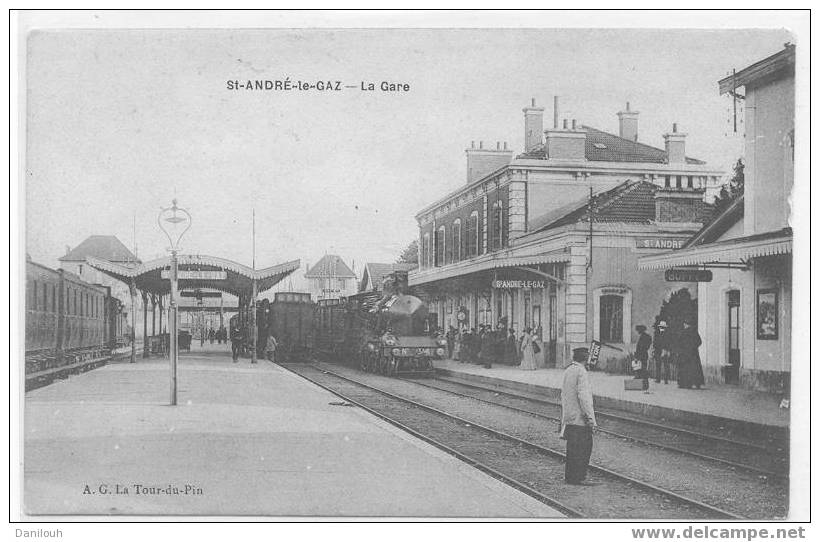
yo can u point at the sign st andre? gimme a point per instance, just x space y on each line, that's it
196 275
511 284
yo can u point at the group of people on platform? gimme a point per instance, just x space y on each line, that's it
486 345
267 345
678 349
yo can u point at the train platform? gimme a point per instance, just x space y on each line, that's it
727 406
244 440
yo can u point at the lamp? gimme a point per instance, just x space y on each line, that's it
174 222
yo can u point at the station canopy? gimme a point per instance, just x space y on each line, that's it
196 271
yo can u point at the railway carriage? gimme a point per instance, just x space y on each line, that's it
290 320
67 320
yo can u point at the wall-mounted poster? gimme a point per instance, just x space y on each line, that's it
767 314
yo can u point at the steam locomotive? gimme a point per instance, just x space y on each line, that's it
389 333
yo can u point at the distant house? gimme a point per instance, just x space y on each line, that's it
375 273
331 278
106 247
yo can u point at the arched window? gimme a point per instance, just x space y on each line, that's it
441 245
612 314
497 237
473 235
425 250
456 242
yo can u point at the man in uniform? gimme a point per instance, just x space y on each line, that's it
577 418
236 340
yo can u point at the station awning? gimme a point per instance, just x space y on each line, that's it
196 271
730 251
486 263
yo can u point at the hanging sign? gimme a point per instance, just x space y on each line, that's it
513 284
196 275
688 275
664 243
594 353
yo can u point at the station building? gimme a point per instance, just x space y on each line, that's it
331 278
374 274
550 238
748 247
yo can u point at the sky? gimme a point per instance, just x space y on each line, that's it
120 122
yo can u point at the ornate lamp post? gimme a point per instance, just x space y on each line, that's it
174 222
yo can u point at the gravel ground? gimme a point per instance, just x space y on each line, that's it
753 456
740 492
613 498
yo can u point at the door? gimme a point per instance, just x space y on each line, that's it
553 327
732 375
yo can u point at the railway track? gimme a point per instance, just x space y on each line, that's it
745 456
530 467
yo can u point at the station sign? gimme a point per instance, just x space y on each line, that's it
200 295
515 284
688 275
661 243
196 275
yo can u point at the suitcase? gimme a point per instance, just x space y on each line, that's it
633 384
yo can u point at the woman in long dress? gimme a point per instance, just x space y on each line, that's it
690 370
527 352
457 346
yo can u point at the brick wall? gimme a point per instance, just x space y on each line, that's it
481 162
566 145
501 194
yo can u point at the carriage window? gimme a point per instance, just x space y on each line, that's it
611 318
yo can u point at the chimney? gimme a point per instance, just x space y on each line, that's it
555 112
567 143
481 161
67 249
680 207
628 124
533 126
675 146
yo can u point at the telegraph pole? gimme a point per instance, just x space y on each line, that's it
254 331
589 261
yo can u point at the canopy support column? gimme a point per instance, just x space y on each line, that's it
132 289
161 310
153 315
254 331
145 342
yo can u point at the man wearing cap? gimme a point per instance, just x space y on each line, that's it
577 418
661 352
